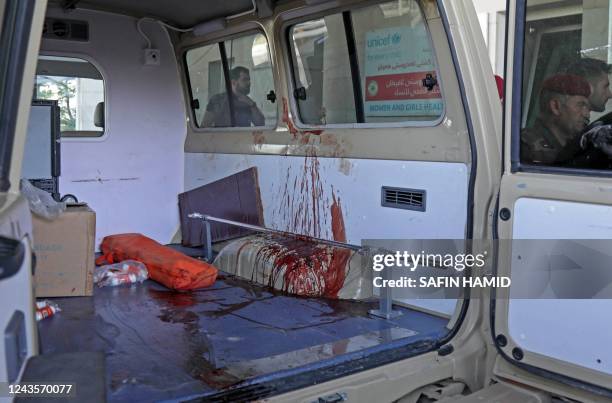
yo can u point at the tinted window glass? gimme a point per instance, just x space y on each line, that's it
242 65
395 55
79 89
205 76
566 117
379 57
322 72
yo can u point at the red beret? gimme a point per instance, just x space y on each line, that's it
567 84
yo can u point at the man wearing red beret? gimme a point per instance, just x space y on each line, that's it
564 111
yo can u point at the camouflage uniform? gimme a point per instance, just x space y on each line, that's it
540 147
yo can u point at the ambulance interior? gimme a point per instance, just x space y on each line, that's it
134 145
342 159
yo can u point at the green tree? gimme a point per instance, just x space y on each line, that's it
65 90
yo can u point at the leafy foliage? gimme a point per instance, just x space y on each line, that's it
62 89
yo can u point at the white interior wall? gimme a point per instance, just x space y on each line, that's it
356 184
132 175
595 30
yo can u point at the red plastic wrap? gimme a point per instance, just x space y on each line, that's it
165 265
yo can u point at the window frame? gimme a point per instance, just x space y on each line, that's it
216 41
84 135
288 46
516 165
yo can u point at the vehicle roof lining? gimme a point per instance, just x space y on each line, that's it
183 13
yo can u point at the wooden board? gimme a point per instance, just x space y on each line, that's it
235 197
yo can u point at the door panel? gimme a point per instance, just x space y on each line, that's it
546 197
20 30
16 291
564 336
551 327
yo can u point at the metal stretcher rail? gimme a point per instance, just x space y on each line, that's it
208 244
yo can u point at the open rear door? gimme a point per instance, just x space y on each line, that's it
20 31
555 200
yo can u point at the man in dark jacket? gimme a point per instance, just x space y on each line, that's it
246 112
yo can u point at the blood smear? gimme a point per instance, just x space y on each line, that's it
307 268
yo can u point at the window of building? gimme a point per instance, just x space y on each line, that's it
566 119
370 65
78 87
240 66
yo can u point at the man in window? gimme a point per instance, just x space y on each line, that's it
558 137
596 73
564 111
246 112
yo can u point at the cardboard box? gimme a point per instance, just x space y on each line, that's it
65 250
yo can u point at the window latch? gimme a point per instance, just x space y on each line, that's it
300 93
195 104
271 96
430 82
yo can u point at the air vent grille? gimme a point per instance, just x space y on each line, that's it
71 30
408 199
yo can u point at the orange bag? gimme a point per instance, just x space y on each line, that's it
165 265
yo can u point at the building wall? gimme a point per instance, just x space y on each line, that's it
491 15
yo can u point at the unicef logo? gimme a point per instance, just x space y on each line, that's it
382 41
372 88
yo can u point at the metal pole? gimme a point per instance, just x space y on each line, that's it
257 228
208 252
385 301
